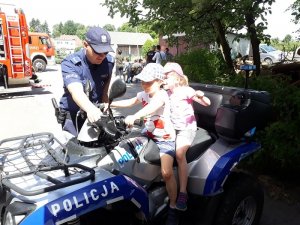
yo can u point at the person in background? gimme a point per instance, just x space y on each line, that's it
150 55
159 55
158 126
136 68
127 69
119 64
87 67
169 56
183 118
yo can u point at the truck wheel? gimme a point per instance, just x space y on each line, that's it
39 65
242 203
268 61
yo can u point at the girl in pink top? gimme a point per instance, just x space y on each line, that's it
183 118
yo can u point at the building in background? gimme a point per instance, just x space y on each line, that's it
130 43
67 44
181 45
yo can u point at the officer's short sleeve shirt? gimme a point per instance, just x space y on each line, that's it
76 68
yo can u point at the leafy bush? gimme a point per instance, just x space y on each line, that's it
202 65
280 139
148 46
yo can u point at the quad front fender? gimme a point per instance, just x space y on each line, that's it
89 198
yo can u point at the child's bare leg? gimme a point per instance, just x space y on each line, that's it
169 178
182 167
183 141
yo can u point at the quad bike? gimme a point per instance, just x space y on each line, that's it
115 178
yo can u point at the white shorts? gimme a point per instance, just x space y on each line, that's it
185 137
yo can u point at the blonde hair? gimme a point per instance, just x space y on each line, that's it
183 79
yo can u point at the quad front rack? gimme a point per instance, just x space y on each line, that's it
38 163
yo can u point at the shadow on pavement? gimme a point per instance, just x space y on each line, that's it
23 94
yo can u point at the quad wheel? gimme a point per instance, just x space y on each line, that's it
242 203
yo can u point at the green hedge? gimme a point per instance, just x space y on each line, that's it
202 65
281 139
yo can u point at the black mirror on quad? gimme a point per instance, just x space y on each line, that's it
117 89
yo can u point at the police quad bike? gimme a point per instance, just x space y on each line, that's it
117 180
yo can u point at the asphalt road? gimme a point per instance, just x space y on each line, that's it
27 110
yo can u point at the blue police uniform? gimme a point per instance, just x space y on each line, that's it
77 68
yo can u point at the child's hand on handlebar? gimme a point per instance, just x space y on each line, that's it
129 120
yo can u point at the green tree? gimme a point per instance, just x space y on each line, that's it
287 38
36 26
109 27
126 27
148 46
33 24
215 17
81 31
45 27
57 29
147 28
69 28
295 11
140 28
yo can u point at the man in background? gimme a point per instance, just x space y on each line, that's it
119 64
150 54
159 56
169 56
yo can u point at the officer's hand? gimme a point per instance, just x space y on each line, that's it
129 120
94 114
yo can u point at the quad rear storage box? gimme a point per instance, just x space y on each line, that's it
234 112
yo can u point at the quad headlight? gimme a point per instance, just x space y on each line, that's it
16 212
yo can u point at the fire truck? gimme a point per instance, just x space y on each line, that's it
15 63
42 51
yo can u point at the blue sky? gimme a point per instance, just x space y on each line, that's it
89 12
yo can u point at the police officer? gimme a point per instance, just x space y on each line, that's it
87 67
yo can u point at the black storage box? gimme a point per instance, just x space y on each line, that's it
246 110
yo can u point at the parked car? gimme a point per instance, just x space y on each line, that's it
269 54
241 47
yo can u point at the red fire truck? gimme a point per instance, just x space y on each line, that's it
15 63
42 51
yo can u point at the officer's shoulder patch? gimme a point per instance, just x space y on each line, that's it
75 60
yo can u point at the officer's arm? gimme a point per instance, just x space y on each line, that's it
80 98
105 90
